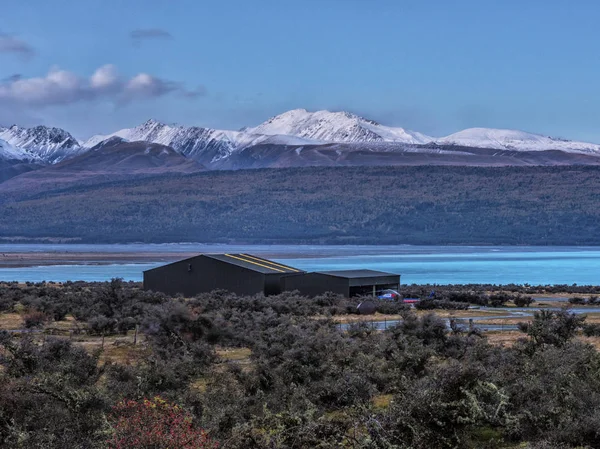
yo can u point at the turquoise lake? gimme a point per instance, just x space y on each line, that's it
416 264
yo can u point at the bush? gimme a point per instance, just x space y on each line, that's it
552 328
432 304
522 301
591 330
577 300
35 319
101 325
499 299
468 297
155 424
6 304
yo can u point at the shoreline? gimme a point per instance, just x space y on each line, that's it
27 259
32 259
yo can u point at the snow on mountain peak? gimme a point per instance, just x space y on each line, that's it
335 127
292 128
510 139
49 144
10 152
202 144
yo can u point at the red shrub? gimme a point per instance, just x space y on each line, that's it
155 424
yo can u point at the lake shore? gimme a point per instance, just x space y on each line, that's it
34 259
24 259
441 265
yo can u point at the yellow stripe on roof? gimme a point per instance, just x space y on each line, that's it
270 262
255 263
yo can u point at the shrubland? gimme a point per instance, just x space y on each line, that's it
219 370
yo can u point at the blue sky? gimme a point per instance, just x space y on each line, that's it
431 66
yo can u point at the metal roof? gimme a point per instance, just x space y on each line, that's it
254 263
355 274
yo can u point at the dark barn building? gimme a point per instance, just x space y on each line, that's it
243 274
347 282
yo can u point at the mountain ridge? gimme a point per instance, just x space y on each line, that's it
298 131
49 144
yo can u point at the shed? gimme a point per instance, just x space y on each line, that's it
243 274
346 282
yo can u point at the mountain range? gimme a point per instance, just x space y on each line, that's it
294 138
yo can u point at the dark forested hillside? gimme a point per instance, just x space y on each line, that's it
414 205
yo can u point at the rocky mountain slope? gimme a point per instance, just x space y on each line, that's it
50 145
10 152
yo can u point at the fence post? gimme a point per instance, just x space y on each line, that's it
135 335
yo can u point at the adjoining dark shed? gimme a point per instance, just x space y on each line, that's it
243 274
347 282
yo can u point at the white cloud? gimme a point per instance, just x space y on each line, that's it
105 78
63 87
148 85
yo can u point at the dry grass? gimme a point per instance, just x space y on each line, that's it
238 355
504 338
594 341
11 321
64 326
505 321
116 349
382 401
383 317
593 318
358 318
199 385
460 314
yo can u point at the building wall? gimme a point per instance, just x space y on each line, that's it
313 284
273 284
206 275
393 280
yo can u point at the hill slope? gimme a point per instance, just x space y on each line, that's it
110 160
401 205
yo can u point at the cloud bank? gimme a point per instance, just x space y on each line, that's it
61 87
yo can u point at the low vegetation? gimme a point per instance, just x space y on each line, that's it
416 205
106 365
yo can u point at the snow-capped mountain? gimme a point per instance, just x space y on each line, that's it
337 127
10 152
48 144
300 137
508 139
203 144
